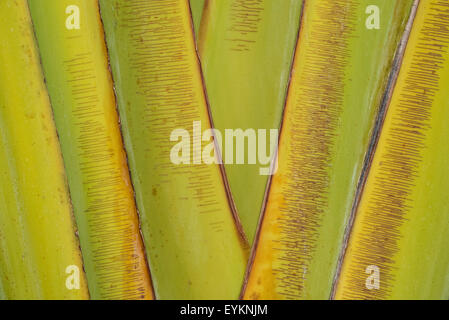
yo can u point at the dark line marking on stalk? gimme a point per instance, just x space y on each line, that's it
245 16
375 138
111 235
164 73
400 161
309 157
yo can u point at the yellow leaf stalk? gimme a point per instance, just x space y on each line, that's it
341 68
74 57
195 248
39 251
398 245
